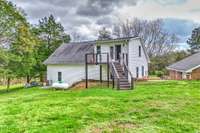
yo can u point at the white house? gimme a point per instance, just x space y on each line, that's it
126 57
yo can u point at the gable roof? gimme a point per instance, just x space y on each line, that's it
74 53
186 65
71 53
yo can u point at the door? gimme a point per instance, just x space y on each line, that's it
111 52
117 52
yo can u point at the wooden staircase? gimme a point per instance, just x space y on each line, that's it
121 76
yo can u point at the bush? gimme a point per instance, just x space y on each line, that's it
159 73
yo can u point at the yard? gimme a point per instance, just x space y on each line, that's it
170 106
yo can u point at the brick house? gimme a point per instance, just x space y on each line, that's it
188 68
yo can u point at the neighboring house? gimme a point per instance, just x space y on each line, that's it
188 68
67 63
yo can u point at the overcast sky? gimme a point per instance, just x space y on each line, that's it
87 16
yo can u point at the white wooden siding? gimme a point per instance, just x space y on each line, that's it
105 48
73 73
134 59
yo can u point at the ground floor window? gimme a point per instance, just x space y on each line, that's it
137 72
59 76
142 71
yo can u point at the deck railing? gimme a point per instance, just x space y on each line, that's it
97 59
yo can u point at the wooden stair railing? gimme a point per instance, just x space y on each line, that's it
121 76
115 75
128 73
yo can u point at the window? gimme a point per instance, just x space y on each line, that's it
59 76
111 52
98 49
139 51
137 72
142 71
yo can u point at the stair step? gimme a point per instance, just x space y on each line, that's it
126 81
125 85
123 80
125 89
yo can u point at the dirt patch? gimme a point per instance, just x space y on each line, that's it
113 127
81 85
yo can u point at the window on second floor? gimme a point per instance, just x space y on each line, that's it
98 49
140 51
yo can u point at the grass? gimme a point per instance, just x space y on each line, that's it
153 107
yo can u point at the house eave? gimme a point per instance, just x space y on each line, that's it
174 69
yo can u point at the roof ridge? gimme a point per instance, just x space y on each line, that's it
119 38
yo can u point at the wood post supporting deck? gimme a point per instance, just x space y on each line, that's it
86 72
113 82
108 70
101 73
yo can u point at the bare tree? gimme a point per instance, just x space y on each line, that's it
104 34
157 40
76 37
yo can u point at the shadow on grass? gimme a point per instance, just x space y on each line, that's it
11 90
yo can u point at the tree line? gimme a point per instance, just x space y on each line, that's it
24 47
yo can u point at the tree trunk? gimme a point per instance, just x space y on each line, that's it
8 83
28 79
41 77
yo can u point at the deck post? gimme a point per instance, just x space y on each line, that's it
96 58
86 72
100 73
118 87
108 69
113 82
132 83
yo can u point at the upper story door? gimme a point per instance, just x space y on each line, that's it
117 52
111 52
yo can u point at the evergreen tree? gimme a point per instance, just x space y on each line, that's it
51 35
194 40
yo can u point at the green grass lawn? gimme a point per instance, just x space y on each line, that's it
170 106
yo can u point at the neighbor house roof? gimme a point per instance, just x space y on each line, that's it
71 53
186 65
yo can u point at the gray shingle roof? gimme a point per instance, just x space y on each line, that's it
186 64
71 53
74 53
